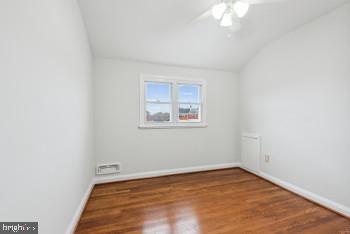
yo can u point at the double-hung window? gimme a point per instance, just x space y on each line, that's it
172 102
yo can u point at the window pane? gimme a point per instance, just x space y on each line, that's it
189 93
158 92
189 112
158 112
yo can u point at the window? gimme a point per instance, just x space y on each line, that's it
168 102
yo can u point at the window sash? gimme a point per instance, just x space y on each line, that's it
152 102
190 103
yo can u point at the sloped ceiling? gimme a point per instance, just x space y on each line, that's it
159 31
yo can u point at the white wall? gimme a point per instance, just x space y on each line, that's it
139 150
296 94
45 112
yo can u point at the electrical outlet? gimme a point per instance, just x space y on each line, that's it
267 158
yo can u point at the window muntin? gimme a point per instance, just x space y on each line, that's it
166 102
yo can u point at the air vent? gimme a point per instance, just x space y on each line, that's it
106 169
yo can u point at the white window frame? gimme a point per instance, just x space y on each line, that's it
175 122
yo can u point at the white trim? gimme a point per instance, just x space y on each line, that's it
173 123
309 195
165 79
76 217
251 171
150 174
250 135
344 210
193 125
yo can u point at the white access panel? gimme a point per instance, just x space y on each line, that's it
251 152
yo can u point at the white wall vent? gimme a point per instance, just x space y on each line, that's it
106 169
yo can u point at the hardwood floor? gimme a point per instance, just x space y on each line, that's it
223 201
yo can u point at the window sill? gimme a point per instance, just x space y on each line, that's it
202 125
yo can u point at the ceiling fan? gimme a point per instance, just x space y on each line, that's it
228 12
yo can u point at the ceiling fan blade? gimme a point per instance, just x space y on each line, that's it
206 13
261 1
202 16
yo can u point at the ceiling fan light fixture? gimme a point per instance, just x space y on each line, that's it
241 8
226 20
218 10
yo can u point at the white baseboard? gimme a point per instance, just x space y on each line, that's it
76 217
339 208
149 174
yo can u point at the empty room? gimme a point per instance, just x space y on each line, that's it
174 116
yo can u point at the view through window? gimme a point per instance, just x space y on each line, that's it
158 102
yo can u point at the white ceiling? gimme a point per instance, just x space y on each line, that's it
158 31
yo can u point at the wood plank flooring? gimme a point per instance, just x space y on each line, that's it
222 201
